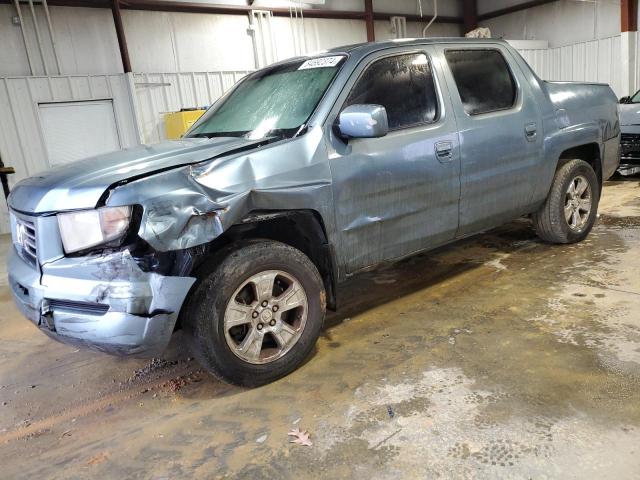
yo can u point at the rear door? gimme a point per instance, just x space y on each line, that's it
397 194
500 134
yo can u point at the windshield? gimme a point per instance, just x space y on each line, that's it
635 98
274 102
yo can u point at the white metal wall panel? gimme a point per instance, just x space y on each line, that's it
314 34
76 130
22 143
186 42
86 41
160 93
561 22
609 63
592 61
538 59
637 65
384 31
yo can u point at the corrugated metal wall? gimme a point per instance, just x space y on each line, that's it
593 61
159 93
21 138
559 22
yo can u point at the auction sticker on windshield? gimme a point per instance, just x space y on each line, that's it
322 62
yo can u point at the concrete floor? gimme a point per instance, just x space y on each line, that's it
496 357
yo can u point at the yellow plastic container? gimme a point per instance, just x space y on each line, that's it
177 123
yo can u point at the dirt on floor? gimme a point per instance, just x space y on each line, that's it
495 357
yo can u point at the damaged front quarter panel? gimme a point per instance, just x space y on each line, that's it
190 206
177 213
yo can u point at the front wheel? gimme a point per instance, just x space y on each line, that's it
570 210
256 316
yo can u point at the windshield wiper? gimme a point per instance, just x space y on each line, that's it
301 130
218 134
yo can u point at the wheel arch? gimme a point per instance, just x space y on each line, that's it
301 229
588 152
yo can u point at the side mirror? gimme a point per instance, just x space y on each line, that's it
625 100
363 121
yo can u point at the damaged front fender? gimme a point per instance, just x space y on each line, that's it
177 212
192 205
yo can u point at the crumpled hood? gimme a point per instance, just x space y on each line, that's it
81 184
629 113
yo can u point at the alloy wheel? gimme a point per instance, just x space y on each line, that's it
578 203
265 316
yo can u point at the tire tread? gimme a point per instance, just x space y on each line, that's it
548 222
206 302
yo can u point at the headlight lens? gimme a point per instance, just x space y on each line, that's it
88 228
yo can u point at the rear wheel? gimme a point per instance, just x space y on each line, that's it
256 316
570 210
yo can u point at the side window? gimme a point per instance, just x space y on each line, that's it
483 79
403 85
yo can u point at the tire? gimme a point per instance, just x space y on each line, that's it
262 349
551 223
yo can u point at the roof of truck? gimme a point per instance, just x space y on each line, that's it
360 50
368 47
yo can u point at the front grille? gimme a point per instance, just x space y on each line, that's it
630 138
89 308
26 240
630 148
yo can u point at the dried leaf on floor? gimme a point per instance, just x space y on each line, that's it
301 437
96 459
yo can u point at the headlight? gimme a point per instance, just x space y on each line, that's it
88 228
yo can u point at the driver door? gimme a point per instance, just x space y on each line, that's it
399 193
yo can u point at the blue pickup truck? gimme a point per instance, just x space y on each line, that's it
303 174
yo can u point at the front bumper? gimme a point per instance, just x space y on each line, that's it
628 168
104 302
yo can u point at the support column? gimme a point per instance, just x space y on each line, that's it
122 40
629 15
628 45
470 15
368 18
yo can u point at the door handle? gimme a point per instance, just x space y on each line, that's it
530 131
444 151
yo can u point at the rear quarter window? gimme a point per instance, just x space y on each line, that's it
483 79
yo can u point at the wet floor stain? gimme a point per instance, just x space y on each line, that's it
497 357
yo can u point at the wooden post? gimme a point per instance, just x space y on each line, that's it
122 40
628 15
368 18
470 15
